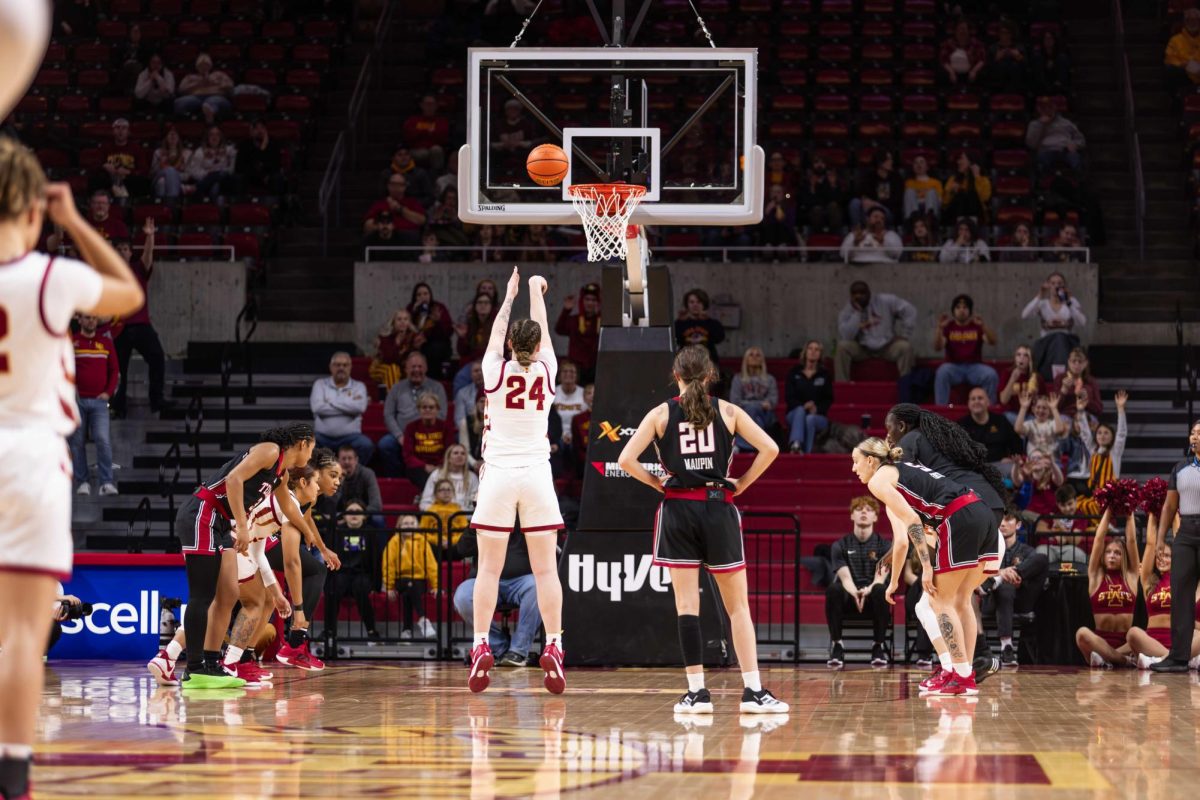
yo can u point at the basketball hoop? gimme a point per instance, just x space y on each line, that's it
605 209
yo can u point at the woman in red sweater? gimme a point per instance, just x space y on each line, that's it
425 440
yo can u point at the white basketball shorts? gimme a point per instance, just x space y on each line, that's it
35 502
509 493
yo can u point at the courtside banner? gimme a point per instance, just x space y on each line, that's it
126 594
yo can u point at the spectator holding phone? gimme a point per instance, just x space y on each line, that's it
1059 313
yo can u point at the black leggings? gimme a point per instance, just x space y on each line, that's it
358 586
312 576
1185 574
203 573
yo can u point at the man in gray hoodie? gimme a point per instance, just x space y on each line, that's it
1055 138
400 408
874 326
338 403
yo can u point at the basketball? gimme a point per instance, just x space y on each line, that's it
547 164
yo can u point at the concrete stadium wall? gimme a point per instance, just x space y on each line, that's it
196 301
782 305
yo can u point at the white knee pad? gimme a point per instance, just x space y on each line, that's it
928 619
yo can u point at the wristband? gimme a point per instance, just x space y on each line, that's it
297 607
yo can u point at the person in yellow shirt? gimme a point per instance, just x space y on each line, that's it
922 192
452 527
409 571
967 192
1183 51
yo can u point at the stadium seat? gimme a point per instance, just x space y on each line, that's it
200 214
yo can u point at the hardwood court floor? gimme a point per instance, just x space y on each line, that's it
414 731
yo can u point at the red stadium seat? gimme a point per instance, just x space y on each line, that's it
264 52
877 29
163 215
92 53
1008 129
284 130
311 52
116 105
126 7
918 77
47 78
260 76
919 129
167 8
302 78
919 52
245 245
200 214
236 29
877 51
293 103
830 129
33 104
201 244
834 29
789 53
249 214
835 53
876 103
1013 186
1013 214
919 104
205 8
918 29
879 6
194 28
92 78
250 103
112 29
1007 103
795 28
962 102
142 130
788 102
91 157
792 77
964 129
874 129
321 29
276 31
1010 159
53 158
225 52
154 29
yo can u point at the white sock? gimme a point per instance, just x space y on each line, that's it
1095 659
173 649
1194 663
944 660
481 638
16 751
751 680
233 655
962 670
1005 641
554 639
695 681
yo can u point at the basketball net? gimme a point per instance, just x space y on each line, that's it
605 209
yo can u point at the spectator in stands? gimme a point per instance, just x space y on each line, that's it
966 247
260 161
1035 478
517 589
1019 248
1059 312
206 90
809 394
1020 379
859 582
168 165
410 570
211 166
879 186
122 172
491 239
400 409
464 398
1015 590
967 191
448 179
1076 384
1041 433
407 213
75 18
96 376
354 548
420 185
1065 522
434 326
155 84
1069 244
135 332
451 517
456 470
993 431
359 485
822 197
923 238
694 326
874 244
1054 138
962 56
962 334
1183 53
1104 447
754 390
99 215
395 341
922 192
568 398
1050 66
779 173
580 323
130 56
515 138
426 438
581 426
384 235
428 134
476 423
338 403
874 326
1006 67
777 231
431 252
474 330
445 223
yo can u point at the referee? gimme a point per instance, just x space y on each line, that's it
1183 495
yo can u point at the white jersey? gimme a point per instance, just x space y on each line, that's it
264 517
519 403
38 296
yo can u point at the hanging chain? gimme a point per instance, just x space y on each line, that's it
525 24
703 27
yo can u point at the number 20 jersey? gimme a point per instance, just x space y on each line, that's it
519 403
695 459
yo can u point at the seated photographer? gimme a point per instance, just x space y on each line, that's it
1015 590
66 606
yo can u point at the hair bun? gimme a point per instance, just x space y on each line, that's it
896 453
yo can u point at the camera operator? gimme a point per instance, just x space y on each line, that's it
66 607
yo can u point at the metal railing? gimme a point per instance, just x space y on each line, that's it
220 252
143 509
791 253
772 542
241 346
1132 141
171 463
329 196
191 435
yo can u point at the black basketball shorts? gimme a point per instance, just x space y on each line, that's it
202 529
967 536
689 534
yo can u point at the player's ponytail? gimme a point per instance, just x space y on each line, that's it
22 180
297 474
693 367
878 448
524 336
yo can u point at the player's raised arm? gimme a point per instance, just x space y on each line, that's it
500 324
120 291
537 309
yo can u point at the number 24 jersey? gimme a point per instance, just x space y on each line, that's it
519 403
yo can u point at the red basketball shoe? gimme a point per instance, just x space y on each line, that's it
957 685
934 682
552 662
481 663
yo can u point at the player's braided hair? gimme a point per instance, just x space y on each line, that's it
950 440
22 180
525 335
693 367
321 458
288 435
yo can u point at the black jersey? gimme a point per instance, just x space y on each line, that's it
260 484
918 449
695 459
928 492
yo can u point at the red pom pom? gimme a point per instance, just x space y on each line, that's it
1119 496
1153 495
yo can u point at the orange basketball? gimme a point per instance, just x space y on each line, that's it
547 164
